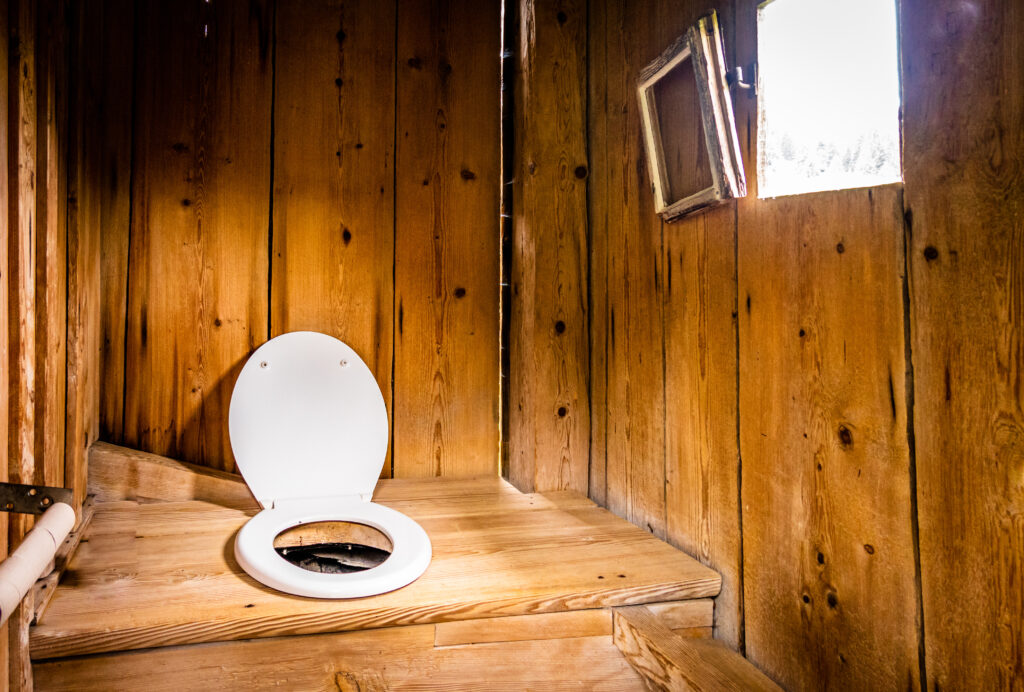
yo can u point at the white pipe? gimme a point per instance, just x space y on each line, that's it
22 568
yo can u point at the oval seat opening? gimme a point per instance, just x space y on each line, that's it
333 547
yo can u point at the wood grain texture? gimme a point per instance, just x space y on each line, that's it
19 664
598 202
402 658
964 162
671 662
828 546
84 244
21 258
623 216
549 417
5 351
663 356
110 43
51 243
446 239
702 455
118 473
594 622
699 309
197 295
333 197
497 552
201 199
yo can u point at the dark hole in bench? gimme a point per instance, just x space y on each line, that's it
333 547
334 558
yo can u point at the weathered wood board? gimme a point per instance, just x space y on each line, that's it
197 282
398 658
549 407
664 449
964 158
671 662
446 239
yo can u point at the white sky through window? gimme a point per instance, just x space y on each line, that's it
828 96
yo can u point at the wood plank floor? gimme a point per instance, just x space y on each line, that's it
158 574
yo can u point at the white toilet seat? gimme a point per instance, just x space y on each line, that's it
309 430
410 555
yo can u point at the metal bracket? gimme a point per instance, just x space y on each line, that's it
31 499
739 76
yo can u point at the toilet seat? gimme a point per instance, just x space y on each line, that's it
309 430
410 554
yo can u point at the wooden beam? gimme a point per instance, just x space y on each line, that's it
549 416
671 662
51 244
21 256
118 473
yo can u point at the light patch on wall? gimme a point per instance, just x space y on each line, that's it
828 95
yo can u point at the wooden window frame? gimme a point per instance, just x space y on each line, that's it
702 43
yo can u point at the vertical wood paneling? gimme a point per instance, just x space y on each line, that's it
702 450
635 427
333 197
22 254
446 242
51 246
84 233
197 286
599 198
202 192
549 417
662 330
827 544
702 465
964 162
110 136
5 352
21 269
828 548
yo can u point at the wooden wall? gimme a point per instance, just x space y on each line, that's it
549 411
964 204
817 395
317 165
49 281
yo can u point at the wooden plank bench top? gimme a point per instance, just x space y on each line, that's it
162 573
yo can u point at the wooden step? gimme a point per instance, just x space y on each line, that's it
672 662
570 650
151 573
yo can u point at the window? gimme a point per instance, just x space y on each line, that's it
828 95
688 124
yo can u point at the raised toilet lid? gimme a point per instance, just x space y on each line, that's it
307 420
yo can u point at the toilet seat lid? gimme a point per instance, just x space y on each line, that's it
307 420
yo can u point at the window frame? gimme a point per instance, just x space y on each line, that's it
702 44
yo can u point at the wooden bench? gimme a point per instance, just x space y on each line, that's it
522 592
